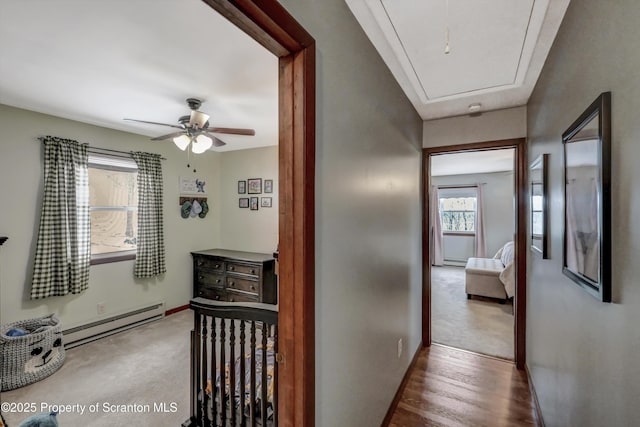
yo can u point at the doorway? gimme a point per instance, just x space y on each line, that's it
273 27
472 217
519 237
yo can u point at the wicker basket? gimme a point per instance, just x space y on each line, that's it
32 357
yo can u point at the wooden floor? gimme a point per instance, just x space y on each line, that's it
450 387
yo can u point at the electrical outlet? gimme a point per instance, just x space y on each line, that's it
101 308
399 348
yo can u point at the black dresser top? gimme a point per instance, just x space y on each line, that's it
236 255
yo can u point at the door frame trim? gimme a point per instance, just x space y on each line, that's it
521 203
269 23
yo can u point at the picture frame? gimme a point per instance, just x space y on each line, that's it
587 199
265 202
268 186
191 185
253 203
539 205
242 187
254 185
243 202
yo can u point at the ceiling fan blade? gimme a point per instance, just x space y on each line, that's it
167 136
233 131
155 123
217 142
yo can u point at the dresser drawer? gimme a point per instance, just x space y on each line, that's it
209 278
246 285
241 297
212 293
209 264
251 269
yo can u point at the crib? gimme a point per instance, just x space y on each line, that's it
231 345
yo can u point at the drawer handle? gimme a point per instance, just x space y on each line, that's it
253 271
231 283
253 288
231 268
200 263
217 266
230 299
218 281
217 297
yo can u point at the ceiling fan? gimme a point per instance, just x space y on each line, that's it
195 130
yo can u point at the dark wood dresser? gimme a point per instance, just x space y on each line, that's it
234 276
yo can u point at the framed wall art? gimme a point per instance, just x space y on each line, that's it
587 199
242 187
243 202
254 185
190 185
265 202
268 186
539 205
253 203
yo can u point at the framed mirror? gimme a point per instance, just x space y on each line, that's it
539 205
587 199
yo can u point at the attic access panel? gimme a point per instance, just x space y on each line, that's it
486 38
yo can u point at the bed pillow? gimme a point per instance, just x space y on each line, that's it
507 254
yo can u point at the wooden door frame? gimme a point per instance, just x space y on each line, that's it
520 300
273 27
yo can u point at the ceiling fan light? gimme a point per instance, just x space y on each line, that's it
182 141
199 119
201 144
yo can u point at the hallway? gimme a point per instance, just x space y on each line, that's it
450 387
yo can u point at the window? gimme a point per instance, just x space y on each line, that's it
458 210
113 201
536 211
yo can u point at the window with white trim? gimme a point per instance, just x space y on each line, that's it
113 200
458 210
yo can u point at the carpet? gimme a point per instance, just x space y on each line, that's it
481 325
139 377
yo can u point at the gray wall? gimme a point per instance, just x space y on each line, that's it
583 354
368 223
490 126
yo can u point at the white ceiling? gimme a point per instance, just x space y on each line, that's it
472 162
497 49
101 61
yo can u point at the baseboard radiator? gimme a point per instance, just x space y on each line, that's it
79 335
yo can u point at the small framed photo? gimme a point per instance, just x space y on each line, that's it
243 202
265 202
255 185
268 186
242 187
253 203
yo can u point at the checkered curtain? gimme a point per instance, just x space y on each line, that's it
63 249
150 257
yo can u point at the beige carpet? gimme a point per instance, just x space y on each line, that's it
481 325
144 366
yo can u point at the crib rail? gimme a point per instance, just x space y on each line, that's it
233 365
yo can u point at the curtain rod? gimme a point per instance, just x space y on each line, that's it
461 186
119 153
126 154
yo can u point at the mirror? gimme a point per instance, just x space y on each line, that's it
539 205
587 199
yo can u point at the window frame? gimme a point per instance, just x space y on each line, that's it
114 163
458 193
